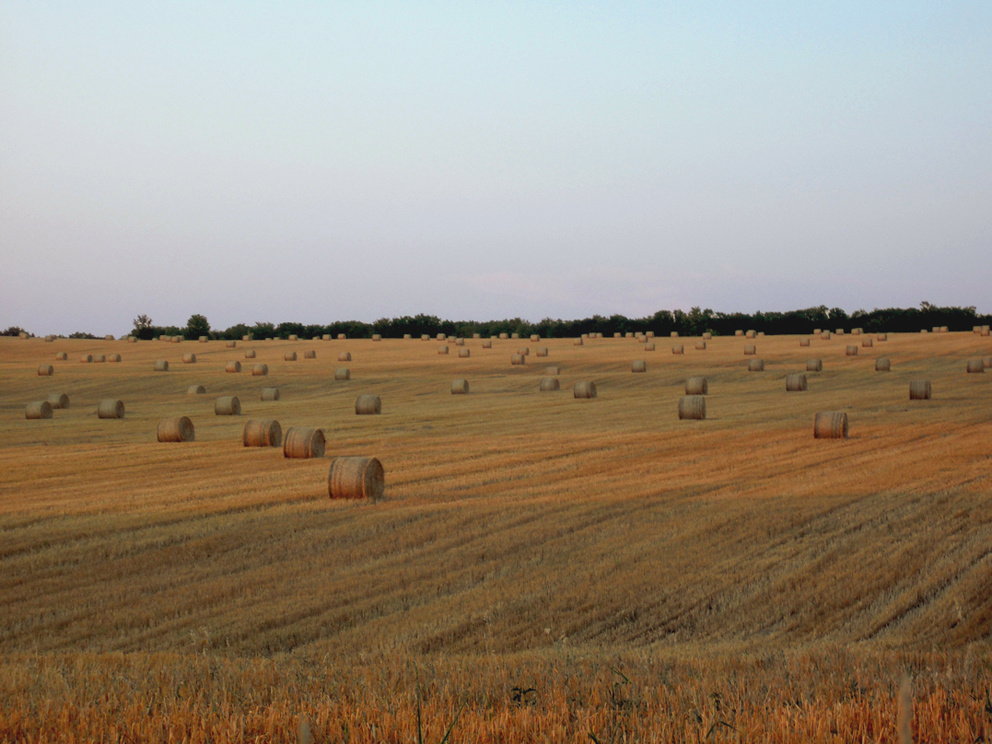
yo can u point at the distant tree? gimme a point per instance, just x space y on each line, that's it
81 334
197 326
13 331
143 328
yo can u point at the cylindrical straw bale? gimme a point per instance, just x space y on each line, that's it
943 329
692 407
424 337
649 346
189 358
249 353
584 390
678 349
464 353
830 425
442 350
514 336
814 365
270 393
638 365
376 337
342 336
459 387
246 337
441 336
649 334
195 390
41 409
518 359
342 373
804 342
61 356
303 443
524 350
407 336
487 344
750 350
45 370
696 386
293 337
751 334
310 354
100 358
86 359
578 342
867 343
974 365
227 405
796 382
234 366
882 337
261 433
987 361
132 339
476 335
113 357
920 390
176 339
700 346
58 400
368 404
110 409
541 351
356 478
176 429
617 334
259 370
851 351
882 364
231 344
289 356
706 336
550 384
839 331
755 365
534 338
161 365
738 332
673 334
203 339
552 371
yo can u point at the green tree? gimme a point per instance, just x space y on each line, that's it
143 328
197 326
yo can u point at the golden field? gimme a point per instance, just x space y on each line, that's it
541 567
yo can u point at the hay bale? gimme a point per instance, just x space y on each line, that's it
176 339
176 429
459 387
342 373
464 353
45 370
851 351
303 443
441 336
638 365
649 334
814 365
442 350
459 342
974 365
988 362
584 390
270 393
342 337
985 330
750 350
534 338
943 329
368 404
203 339
325 337
113 358
293 337
830 425
882 364
227 405
261 433
825 336
289 356
132 340
515 336
920 390
755 365
553 371
541 351
58 401
751 334
550 385
518 359
100 358
795 383
882 337
110 409
692 407
700 346
867 343
673 334
161 365
578 342
617 334
678 349
738 332
86 359
356 478
41 409
804 342
649 346
476 335
487 344
524 351
234 366
61 356
839 331
407 336
259 370
231 344
310 354
696 386
189 358
195 390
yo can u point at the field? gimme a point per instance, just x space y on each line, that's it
541 567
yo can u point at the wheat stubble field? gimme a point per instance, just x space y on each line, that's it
541 567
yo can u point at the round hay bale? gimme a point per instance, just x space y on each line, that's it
649 346
61 356
41 409
342 373
696 386
751 334
584 390
325 337
617 334
692 407
550 385
376 337
249 353
161 365
195 390
851 351
203 339
839 331
302 443
706 336
578 342
974 365
825 336
132 339
795 383
830 425
177 429
86 359
344 356
541 351
459 387
113 357
738 332
750 350
270 393
534 338
259 370
920 390
985 330
761 334
678 349
425 337
814 365
234 366
882 364
943 329
441 336
487 344
407 336
293 337
476 335
227 405
310 354
110 409
356 478
700 346
289 356
459 342
552 371
804 342
189 358
176 339
755 365
518 359
261 433
867 343
247 337
515 336
673 334
368 405
45 370
100 358
524 351
442 350
638 365
231 344
988 362
464 353
58 400
649 334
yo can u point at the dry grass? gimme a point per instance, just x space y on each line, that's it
735 569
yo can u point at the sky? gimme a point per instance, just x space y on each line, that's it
322 161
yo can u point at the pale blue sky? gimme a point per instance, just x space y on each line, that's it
327 161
